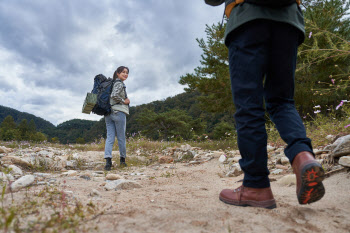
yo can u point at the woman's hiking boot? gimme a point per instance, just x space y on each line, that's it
122 162
245 196
309 174
108 164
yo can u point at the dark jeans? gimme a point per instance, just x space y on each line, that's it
262 58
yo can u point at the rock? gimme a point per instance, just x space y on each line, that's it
17 161
341 147
270 148
231 160
222 158
284 161
345 161
330 138
95 193
16 170
85 177
234 171
22 182
194 162
40 174
70 173
71 164
5 149
165 159
6 177
113 177
277 171
122 184
236 159
186 147
279 166
217 154
287 180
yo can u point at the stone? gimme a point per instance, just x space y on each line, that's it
70 173
277 171
234 171
113 177
165 159
17 161
284 161
22 182
6 177
85 177
270 148
122 184
186 147
341 147
71 164
194 162
95 193
16 170
40 174
222 158
330 138
217 154
231 160
345 161
279 166
5 149
287 180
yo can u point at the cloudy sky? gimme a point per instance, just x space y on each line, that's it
50 51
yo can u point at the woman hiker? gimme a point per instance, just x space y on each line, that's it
262 37
116 121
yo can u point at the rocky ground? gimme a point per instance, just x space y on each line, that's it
177 193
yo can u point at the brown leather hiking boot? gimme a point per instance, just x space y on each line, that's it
244 196
309 174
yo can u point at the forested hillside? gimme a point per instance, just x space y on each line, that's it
175 117
18 116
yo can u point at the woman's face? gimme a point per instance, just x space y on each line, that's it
123 75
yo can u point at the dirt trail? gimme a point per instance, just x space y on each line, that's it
180 198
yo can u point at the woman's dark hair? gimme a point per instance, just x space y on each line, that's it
118 71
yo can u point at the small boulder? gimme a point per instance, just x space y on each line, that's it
222 158
113 177
287 180
22 182
345 161
122 184
16 170
70 173
165 159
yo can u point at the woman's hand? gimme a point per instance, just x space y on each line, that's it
127 101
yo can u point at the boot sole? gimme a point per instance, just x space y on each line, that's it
269 204
312 188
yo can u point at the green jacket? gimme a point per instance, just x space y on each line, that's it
246 12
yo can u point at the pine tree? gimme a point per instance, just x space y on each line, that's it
324 58
212 78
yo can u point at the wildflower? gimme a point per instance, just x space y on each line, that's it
318 111
347 126
310 34
332 80
317 106
339 105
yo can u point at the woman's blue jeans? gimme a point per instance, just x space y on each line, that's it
262 61
116 125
